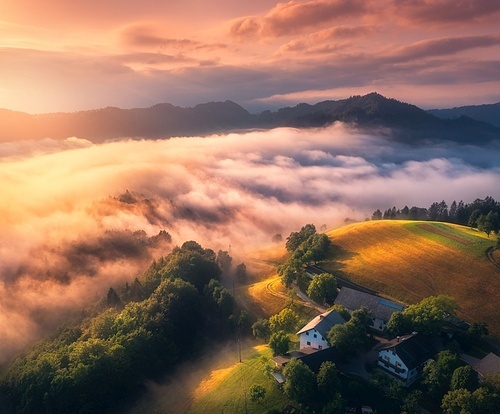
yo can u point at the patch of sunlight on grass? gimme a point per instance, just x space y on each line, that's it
215 378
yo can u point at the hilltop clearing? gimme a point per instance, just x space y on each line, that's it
410 260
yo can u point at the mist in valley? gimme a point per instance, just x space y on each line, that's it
78 217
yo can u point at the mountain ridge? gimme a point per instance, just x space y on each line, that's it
489 113
407 122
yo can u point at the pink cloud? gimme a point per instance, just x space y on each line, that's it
447 11
294 17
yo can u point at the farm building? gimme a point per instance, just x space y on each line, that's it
314 334
381 308
405 356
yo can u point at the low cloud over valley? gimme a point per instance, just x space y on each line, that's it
77 217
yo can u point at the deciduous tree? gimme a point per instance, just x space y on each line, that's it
300 381
322 288
286 320
279 343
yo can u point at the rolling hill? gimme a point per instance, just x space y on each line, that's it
409 260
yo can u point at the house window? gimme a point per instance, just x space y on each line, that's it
307 333
308 342
320 347
387 358
322 338
315 335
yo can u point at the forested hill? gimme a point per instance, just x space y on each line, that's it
485 113
142 330
408 123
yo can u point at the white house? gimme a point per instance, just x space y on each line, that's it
405 356
381 308
315 332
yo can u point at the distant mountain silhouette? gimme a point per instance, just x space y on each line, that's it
406 122
485 113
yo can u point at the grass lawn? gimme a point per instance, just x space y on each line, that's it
227 390
409 260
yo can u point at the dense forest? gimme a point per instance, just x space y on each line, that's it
138 331
481 214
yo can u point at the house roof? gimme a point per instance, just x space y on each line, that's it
490 364
323 323
313 358
380 308
412 349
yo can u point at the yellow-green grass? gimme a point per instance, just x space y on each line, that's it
227 390
410 260
263 298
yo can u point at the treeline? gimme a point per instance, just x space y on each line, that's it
481 214
144 330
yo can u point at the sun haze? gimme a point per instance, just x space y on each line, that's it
69 55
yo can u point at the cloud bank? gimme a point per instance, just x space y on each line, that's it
77 218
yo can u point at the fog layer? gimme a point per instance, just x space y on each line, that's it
77 218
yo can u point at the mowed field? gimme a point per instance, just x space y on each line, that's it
409 260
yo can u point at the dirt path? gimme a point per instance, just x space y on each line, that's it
489 255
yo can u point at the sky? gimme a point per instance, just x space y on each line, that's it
68 55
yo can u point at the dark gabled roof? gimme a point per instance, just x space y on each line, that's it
413 349
313 358
381 308
490 364
323 323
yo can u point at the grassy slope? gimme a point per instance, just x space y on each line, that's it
226 392
411 260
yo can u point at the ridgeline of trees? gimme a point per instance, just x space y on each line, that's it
141 331
481 214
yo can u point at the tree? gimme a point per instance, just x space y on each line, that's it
322 288
286 320
458 402
240 273
348 338
261 329
277 238
377 215
399 324
300 381
437 373
257 393
297 238
279 342
464 377
290 271
429 314
112 299
477 330
363 315
328 379
489 223
224 259
472 222
453 212
341 311
411 403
